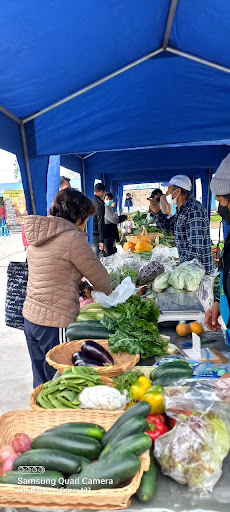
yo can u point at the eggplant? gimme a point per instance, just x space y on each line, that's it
86 361
92 349
77 356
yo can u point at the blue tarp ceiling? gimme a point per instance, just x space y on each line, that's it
52 49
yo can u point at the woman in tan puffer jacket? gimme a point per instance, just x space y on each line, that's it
58 256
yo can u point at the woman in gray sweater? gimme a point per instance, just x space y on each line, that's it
112 219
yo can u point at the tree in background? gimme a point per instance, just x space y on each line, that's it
17 173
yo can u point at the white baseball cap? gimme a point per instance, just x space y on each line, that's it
180 180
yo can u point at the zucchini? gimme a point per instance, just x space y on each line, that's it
168 373
148 482
75 444
83 429
87 330
139 409
46 479
132 426
137 444
49 459
99 475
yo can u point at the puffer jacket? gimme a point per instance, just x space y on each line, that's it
58 256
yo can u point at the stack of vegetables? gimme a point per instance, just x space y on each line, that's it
80 387
68 450
131 327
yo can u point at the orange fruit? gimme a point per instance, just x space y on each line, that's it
197 328
128 245
145 239
183 329
143 246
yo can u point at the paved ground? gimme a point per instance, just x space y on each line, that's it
15 370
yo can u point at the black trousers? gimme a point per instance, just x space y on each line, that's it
40 340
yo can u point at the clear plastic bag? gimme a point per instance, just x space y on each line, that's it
193 451
161 282
205 291
187 276
119 296
161 253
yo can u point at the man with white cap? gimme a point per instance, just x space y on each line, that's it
190 224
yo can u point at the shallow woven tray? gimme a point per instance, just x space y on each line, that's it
60 358
36 407
34 423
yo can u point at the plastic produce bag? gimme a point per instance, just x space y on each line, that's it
187 276
148 272
119 296
205 291
161 282
161 254
193 451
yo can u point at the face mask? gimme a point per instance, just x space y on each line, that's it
170 199
224 213
109 203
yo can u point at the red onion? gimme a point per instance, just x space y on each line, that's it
21 443
5 452
8 464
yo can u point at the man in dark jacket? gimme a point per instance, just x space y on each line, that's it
98 220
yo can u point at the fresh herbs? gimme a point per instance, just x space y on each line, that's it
125 381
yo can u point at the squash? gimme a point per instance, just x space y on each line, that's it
145 239
143 246
128 245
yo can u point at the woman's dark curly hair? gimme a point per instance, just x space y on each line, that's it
72 205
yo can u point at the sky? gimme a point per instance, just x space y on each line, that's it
6 167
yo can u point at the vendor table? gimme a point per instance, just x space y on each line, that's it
170 496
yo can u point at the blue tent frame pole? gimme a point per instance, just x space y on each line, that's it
83 174
26 156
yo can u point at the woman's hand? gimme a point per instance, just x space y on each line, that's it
211 317
154 205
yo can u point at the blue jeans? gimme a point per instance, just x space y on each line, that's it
40 340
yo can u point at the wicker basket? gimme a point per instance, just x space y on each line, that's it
60 357
154 237
36 407
34 423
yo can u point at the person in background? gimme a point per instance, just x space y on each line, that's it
3 215
58 256
98 220
111 222
128 201
226 227
220 187
190 224
155 194
64 183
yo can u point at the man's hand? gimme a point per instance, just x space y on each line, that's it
101 246
211 317
154 206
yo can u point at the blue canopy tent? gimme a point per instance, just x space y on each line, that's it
115 90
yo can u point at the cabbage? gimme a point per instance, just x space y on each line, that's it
161 282
187 276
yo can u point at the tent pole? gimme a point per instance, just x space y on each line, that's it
171 15
94 84
10 115
83 174
25 151
198 59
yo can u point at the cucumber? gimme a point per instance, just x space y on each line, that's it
105 476
137 444
49 459
168 373
46 479
83 429
139 409
148 482
77 445
132 426
87 330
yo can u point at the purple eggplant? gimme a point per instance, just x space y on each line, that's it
92 349
77 356
86 361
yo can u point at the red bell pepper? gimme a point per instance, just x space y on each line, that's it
156 426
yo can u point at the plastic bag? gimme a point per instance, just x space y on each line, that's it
187 276
148 272
193 451
205 291
161 282
119 296
161 253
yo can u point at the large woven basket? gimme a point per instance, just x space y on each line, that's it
34 423
154 237
36 407
60 357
